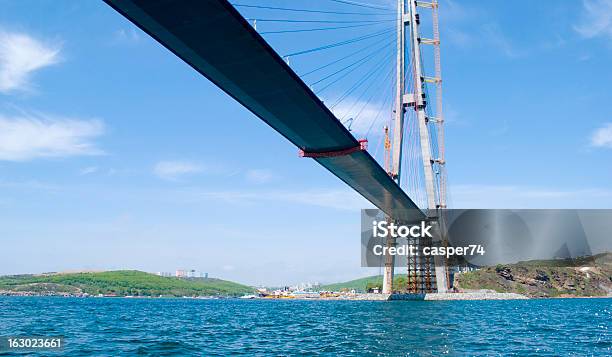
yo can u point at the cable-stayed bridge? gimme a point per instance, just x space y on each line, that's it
372 77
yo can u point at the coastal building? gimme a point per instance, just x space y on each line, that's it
189 273
305 294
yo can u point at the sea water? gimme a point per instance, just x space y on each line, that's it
119 326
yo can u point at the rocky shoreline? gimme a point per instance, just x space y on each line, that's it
475 296
478 295
585 277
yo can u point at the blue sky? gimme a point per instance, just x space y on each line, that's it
115 154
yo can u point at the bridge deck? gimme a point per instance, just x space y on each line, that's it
214 39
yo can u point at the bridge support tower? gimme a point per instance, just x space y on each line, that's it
419 274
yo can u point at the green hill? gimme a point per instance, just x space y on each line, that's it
120 283
357 284
363 284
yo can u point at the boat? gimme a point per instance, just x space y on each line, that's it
249 297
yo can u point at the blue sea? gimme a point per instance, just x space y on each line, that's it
117 326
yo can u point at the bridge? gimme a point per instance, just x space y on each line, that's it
214 38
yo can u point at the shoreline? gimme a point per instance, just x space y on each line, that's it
467 296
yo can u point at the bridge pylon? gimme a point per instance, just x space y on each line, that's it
419 272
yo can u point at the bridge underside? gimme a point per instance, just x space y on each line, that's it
214 39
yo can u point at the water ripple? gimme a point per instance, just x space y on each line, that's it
154 327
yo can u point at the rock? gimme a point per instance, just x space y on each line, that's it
541 276
505 273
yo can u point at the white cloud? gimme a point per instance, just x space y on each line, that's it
459 37
456 12
512 196
174 170
453 117
596 19
228 267
88 170
31 185
130 35
259 176
457 18
602 137
500 130
336 199
369 118
20 56
29 137
494 36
